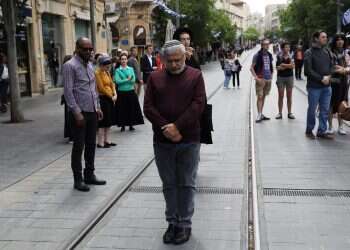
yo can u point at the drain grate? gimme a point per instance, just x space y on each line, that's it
201 190
306 192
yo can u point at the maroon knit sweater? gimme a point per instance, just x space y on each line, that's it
178 99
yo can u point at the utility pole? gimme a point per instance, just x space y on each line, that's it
92 23
339 5
178 12
10 19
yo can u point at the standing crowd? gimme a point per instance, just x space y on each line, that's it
327 69
100 92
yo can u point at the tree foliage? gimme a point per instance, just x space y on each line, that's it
221 27
251 34
205 21
303 17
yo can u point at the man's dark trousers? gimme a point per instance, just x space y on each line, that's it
84 138
177 167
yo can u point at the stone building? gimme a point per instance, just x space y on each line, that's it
49 30
131 23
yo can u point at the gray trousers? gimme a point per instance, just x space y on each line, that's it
177 167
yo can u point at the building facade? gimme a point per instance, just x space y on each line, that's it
272 20
48 33
130 23
237 10
256 20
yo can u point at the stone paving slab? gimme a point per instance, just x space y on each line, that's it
286 159
44 208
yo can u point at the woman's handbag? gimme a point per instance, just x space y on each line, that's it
206 124
344 111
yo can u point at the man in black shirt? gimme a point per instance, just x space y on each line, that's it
318 68
285 80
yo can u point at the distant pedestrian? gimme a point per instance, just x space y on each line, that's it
236 70
67 116
339 81
159 63
108 97
148 64
285 79
135 65
232 68
82 99
262 71
174 102
4 83
54 67
318 69
128 110
184 35
228 64
299 62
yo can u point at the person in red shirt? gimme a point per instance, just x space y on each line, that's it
174 102
159 63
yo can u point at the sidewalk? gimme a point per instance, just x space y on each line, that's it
42 210
289 162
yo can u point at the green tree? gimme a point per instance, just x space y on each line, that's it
251 34
303 17
221 27
198 15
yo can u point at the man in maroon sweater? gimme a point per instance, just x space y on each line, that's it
174 102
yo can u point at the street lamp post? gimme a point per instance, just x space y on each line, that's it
92 23
339 5
178 12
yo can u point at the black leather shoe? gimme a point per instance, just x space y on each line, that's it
92 180
169 235
182 235
79 185
131 128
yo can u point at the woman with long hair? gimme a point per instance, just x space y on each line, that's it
338 81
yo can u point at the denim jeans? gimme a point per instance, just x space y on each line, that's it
228 76
177 167
322 98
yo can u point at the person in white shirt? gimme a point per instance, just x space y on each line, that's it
4 82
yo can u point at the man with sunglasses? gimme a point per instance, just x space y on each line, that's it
82 99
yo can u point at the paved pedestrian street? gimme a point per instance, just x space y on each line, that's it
303 187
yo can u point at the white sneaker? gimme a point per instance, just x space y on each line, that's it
259 118
341 130
330 131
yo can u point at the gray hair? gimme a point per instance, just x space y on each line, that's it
172 47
